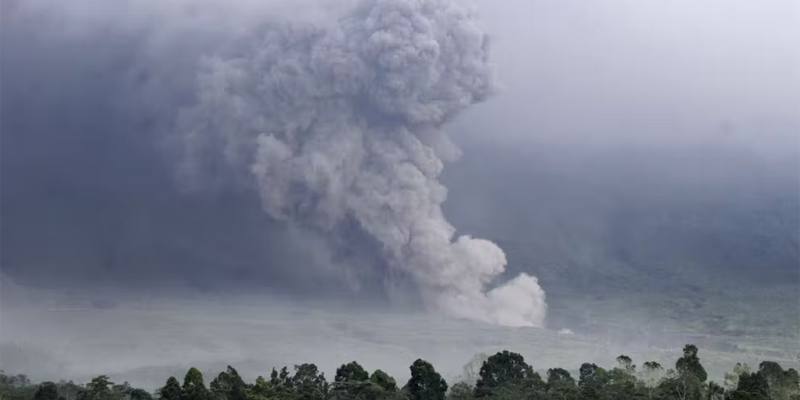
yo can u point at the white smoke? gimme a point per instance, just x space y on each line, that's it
343 124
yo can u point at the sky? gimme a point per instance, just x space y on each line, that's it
641 159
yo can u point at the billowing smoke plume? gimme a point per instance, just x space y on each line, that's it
341 125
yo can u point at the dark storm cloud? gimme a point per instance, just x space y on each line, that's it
631 116
640 158
88 196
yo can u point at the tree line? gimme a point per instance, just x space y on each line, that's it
503 376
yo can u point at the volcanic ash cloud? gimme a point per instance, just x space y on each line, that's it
341 125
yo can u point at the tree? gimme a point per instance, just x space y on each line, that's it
171 390
781 385
98 389
46 391
309 383
625 363
560 385
472 369
15 387
69 390
460 391
383 380
351 372
621 382
752 386
681 386
261 390
686 382
193 386
279 385
690 363
732 378
715 392
651 375
591 381
350 382
507 370
228 385
425 382
139 394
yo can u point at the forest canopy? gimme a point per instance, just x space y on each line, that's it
502 376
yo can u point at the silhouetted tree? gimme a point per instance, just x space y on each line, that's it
460 391
782 385
752 386
561 385
686 383
621 381
732 378
503 376
715 392
591 381
193 386
690 363
228 385
351 372
139 394
626 364
171 390
383 380
46 391
98 389
425 382
652 374
309 383
507 371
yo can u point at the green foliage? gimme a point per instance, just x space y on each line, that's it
228 385
650 376
262 389
680 387
308 383
781 385
171 390
16 387
591 382
621 381
626 364
752 386
460 391
425 382
715 392
505 374
351 372
353 382
383 380
139 394
101 388
690 363
193 386
561 385
687 381
193 379
46 391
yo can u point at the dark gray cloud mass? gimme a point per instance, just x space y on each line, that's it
88 182
634 154
90 93
336 128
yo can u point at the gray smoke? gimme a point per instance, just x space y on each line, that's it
342 125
